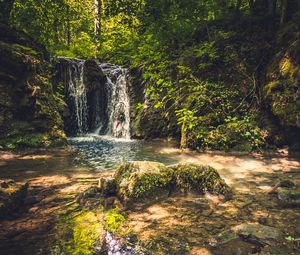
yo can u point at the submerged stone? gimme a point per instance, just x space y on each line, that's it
252 232
289 198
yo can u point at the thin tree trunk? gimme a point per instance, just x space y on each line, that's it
238 5
68 27
251 6
272 7
284 4
96 18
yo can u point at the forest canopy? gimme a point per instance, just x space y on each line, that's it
211 68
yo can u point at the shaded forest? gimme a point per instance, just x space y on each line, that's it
214 74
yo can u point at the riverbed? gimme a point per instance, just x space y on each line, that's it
57 176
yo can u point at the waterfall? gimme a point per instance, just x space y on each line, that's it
71 76
97 97
118 101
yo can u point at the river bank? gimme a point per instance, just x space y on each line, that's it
56 177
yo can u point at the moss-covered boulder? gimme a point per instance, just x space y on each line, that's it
200 179
29 106
141 181
11 196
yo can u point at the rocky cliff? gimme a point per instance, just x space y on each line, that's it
29 107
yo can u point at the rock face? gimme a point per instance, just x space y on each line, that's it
142 110
82 85
11 196
143 181
282 90
97 97
29 108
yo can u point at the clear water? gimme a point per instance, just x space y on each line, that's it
106 153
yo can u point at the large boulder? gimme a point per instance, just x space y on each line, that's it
141 181
200 179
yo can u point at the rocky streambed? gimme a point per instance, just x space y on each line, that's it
254 211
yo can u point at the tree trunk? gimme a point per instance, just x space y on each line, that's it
96 18
251 6
5 7
68 27
271 7
284 4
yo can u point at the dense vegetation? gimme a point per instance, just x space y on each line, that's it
219 74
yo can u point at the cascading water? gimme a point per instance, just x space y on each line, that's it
72 76
97 97
118 101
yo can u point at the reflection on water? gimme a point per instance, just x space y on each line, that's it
105 153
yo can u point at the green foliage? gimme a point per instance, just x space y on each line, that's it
202 61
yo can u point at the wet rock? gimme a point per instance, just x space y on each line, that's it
141 181
252 232
11 196
235 247
222 238
289 198
279 250
258 233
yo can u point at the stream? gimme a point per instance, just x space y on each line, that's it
57 176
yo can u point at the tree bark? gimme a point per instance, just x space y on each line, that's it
96 18
272 7
284 4
68 27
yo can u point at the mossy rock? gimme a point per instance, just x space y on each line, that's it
200 179
140 181
11 196
148 181
80 233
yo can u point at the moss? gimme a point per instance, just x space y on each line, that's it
142 180
79 233
29 106
34 140
116 223
202 179
148 181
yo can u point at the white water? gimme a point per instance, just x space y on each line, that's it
115 99
77 91
118 101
